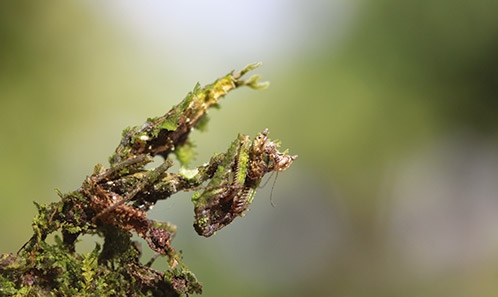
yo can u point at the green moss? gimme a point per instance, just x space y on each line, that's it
112 203
185 153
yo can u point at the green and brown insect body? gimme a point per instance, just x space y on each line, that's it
234 184
212 212
265 157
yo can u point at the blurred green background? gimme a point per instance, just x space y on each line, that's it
391 105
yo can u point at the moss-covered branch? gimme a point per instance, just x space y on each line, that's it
113 203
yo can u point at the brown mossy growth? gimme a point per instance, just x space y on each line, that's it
112 203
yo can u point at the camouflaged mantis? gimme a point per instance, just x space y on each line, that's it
233 185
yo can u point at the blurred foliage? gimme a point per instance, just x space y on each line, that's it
406 73
403 76
49 70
